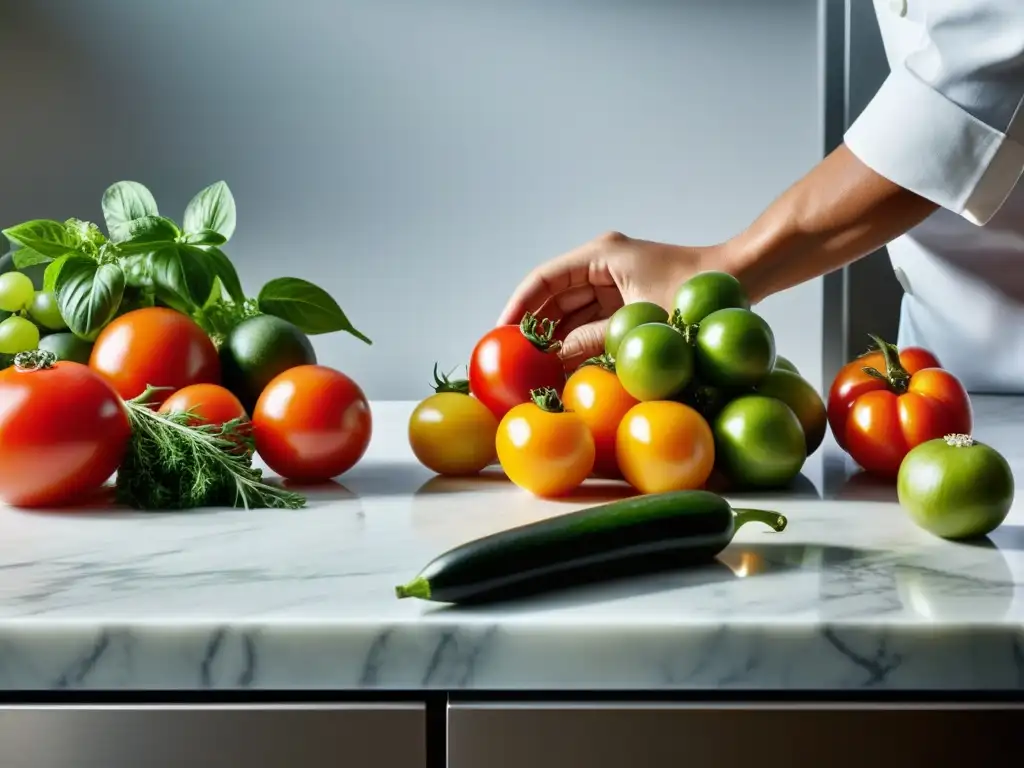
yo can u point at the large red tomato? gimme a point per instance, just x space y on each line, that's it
885 403
511 361
311 423
155 346
63 431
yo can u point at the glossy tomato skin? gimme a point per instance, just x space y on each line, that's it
665 446
155 346
63 433
882 426
548 454
209 404
596 395
311 423
506 366
851 382
452 434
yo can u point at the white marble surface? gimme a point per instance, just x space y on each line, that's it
850 596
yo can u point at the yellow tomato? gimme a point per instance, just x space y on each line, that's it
452 434
543 448
595 394
665 446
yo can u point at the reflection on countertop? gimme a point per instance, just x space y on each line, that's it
851 595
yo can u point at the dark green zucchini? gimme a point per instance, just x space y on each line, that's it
635 535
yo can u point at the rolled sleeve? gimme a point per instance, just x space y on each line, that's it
947 123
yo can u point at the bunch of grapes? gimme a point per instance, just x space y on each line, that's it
29 310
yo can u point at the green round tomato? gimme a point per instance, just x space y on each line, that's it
67 346
803 399
759 442
956 488
44 311
654 362
735 349
708 292
785 364
628 317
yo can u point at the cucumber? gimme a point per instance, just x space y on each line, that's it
624 537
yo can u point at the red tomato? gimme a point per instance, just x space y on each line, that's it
511 361
208 404
878 419
63 432
155 346
595 394
311 424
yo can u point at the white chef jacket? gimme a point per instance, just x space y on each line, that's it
948 124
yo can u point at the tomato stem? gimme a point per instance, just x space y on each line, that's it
547 399
603 360
35 360
895 375
773 520
689 330
540 332
959 441
147 396
444 383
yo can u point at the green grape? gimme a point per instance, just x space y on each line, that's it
16 291
43 310
18 335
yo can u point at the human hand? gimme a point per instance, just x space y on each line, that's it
581 289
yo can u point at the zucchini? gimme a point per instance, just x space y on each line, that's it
626 537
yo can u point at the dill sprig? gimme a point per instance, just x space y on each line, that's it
174 463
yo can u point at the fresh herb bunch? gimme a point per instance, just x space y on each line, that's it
174 463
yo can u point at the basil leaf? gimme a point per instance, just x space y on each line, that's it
306 306
147 234
88 295
53 270
50 238
212 208
206 237
124 202
137 270
226 272
182 271
27 257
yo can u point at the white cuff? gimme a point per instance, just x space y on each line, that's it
914 136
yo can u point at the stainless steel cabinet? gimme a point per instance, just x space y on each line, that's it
720 737
213 737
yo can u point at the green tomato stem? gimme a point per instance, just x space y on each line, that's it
895 375
444 383
540 332
773 520
547 400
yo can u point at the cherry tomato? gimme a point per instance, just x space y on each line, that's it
594 394
891 412
543 448
155 346
63 431
451 432
511 361
665 446
311 424
851 382
208 404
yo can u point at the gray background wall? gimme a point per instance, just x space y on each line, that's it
418 158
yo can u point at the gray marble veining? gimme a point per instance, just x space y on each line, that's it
850 596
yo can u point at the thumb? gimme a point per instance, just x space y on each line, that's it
583 343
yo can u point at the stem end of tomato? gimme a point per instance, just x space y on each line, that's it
959 441
418 587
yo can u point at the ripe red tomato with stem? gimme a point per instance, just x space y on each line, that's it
511 361
878 414
63 431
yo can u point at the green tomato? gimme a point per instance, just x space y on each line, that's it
956 488
708 292
629 317
16 291
785 364
759 442
18 335
654 362
44 311
67 346
803 399
735 349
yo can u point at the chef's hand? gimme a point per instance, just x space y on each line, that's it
581 289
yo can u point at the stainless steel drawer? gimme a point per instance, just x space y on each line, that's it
213 737
497 736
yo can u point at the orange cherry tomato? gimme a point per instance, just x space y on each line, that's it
595 394
543 448
208 404
665 446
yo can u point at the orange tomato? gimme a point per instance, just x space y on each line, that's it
208 404
665 446
543 448
596 396
453 434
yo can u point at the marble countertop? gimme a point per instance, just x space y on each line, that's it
850 596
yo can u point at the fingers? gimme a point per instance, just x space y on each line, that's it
582 343
547 282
